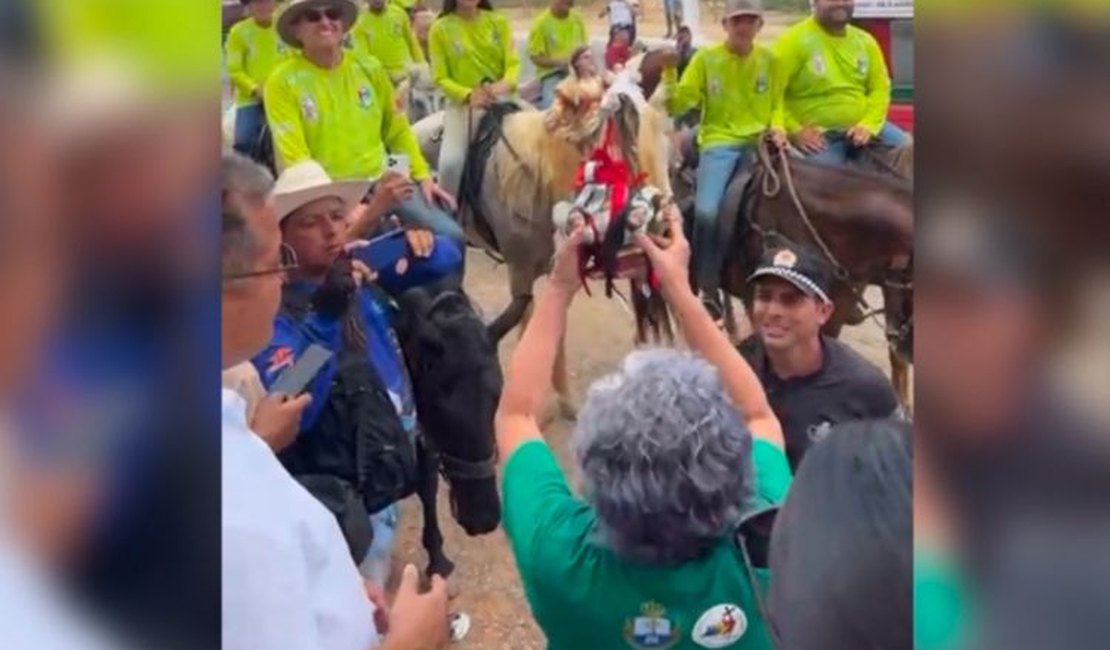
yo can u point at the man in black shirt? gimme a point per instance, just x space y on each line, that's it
812 381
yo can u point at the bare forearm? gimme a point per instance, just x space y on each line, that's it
364 218
741 383
530 368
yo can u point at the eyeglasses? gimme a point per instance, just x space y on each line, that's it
288 263
316 15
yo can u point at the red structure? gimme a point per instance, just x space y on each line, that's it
891 23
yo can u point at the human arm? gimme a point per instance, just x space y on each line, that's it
439 50
704 337
688 92
283 113
526 381
787 62
878 90
444 259
236 53
508 82
415 50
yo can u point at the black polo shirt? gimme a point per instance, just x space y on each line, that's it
847 387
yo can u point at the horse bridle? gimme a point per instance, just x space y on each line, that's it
772 185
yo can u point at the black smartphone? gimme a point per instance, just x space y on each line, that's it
296 379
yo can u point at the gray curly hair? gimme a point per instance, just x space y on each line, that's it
665 457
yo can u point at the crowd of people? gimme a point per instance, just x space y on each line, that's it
686 457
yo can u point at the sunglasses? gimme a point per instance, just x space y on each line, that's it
288 263
333 14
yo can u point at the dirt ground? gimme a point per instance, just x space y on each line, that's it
489 590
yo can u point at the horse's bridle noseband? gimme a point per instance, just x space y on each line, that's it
457 469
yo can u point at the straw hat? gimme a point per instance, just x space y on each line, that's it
306 182
292 13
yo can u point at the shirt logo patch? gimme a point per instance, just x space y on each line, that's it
761 83
281 358
862 64
458 47
348 42
714 86
651 629
720 626
818 65
365 97
396 28
308 108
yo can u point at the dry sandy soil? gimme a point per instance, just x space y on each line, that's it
600 334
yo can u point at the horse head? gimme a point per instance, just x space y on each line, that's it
456 397
576 116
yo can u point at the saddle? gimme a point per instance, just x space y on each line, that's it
482 142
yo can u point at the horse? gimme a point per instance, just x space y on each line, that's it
523 161
456 397
860 220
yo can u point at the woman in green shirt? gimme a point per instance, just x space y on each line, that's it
475 63
674 449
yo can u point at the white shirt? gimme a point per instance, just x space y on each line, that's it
620 13
288 578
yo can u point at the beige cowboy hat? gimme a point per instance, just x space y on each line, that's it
743 8
295 9
306 181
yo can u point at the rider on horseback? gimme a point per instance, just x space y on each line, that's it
734 85
337 107
253 51
837 86
385 32
556 34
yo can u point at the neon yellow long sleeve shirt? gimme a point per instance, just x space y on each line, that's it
464 52
342 118
739 96
388 37
832 82
253 51
556 38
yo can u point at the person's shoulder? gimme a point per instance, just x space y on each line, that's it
285 70
862 35
848 365
497 17
796 30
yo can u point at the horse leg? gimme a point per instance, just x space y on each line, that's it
432 539
900 378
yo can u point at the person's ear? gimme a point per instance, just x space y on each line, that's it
825 311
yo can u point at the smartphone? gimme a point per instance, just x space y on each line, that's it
399 162
297 378
383 251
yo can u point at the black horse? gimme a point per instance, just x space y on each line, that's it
457 384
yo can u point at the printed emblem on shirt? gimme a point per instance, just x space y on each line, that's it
714 86
761 83
720 626
495 36
281 358
458 46
396 28
818 65
651 629
818 432
308 108
348 42
365 97
861 64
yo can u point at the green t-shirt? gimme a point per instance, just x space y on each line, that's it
556 38
253 51
584 596
464 52
739 96
342 118
388 36
833 82
940 603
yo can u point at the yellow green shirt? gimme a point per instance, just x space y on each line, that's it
253 51
739 96
388 36
833 82
464 52
403 4
342 118
556 38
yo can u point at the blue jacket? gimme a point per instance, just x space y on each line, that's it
293 335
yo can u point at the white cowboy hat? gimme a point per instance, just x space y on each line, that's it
292 13
306 181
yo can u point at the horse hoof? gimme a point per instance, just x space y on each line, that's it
443 568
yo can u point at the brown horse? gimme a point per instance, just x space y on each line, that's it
861 222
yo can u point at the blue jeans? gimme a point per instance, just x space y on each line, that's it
376 565
249 121
837 152
417 212
547 89
716 167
